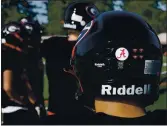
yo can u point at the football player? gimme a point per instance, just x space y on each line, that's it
57 52
18 99
34 64
118 61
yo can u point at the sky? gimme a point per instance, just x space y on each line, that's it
161 6
118 5
41 10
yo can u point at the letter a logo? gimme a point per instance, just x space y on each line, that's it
121 54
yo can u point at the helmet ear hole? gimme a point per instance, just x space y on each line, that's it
92 11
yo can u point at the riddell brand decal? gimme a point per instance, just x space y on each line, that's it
121 54
72 26
99 65
133 90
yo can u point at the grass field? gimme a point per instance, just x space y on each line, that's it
160 104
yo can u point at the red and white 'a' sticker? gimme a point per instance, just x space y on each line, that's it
122 54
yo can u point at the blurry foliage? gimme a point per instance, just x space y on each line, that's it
157 18
11 14
54 17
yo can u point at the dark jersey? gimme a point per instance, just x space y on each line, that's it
12 60
57 51
157 117
34 70
62 85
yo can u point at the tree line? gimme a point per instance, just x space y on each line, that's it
146 8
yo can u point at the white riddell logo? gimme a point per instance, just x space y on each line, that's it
99 64
109 90
73 26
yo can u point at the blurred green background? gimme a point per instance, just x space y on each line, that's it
146 8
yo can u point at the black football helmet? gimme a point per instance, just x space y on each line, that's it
13 37
33 31
11 27
121 51
78 14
